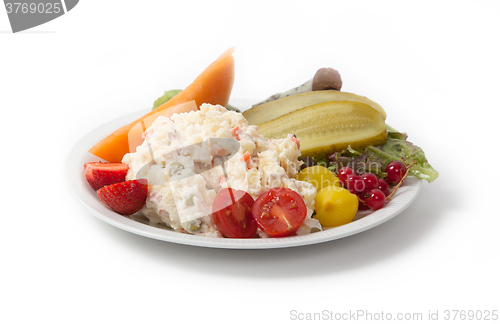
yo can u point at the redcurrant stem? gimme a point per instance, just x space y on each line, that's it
393 191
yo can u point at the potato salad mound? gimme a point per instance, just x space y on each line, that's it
184 181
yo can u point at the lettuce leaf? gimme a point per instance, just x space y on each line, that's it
166 97
360 161
398 148
171 93
374 159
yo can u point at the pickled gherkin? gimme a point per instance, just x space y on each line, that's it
263 113
330 126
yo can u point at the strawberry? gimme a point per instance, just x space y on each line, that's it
100 174
126 197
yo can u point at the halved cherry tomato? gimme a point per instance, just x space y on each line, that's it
232 213
279 212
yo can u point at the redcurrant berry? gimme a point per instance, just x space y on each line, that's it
370 180
343 173
375 199
384 186
355 183
395 171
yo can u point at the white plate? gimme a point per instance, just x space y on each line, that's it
79 187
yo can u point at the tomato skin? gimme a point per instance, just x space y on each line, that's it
279 212
232 214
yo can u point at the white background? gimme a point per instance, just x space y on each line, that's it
434 67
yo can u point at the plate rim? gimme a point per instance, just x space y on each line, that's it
82 192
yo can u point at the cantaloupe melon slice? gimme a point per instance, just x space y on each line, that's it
212 86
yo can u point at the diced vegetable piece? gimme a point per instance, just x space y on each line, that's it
266 112
329 127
